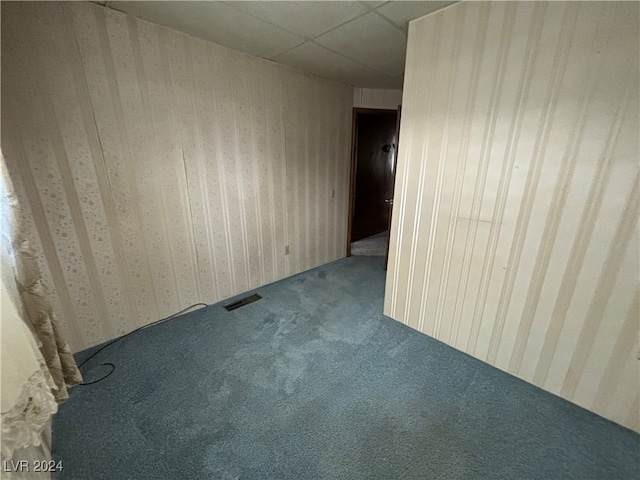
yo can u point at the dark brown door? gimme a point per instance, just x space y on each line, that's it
375 139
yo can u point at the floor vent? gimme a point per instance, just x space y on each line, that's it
243 301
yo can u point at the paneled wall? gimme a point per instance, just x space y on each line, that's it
377 98
157 170
515 223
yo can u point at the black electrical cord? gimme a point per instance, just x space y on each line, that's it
113 367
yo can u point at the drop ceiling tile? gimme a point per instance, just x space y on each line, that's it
216 22
315 59
401 12
308 19
373 4
370 40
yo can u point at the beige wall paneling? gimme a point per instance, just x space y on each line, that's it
377 98
515 226
157 170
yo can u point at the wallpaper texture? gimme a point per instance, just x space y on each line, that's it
515 222
157 170
377 98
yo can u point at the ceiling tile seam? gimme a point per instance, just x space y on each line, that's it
235 49
311 39
352 60
326 79
335 27
388 20
305 38
111 6
289 49
368 7
366 4
230 5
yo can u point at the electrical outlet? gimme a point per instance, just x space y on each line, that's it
286 250
333 193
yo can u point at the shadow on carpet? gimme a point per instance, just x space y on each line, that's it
313 382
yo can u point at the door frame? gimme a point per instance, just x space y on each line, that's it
357 111
393 184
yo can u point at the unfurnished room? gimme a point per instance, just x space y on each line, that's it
320 240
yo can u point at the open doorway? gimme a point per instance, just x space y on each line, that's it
373 159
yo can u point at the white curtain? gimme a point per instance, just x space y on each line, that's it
36 363
27 398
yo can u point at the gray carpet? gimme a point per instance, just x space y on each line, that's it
313 382
374 245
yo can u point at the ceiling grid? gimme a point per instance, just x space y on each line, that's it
357 43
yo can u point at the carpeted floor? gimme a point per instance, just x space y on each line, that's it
313 382
374 245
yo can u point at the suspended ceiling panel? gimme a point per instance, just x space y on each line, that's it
357 43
